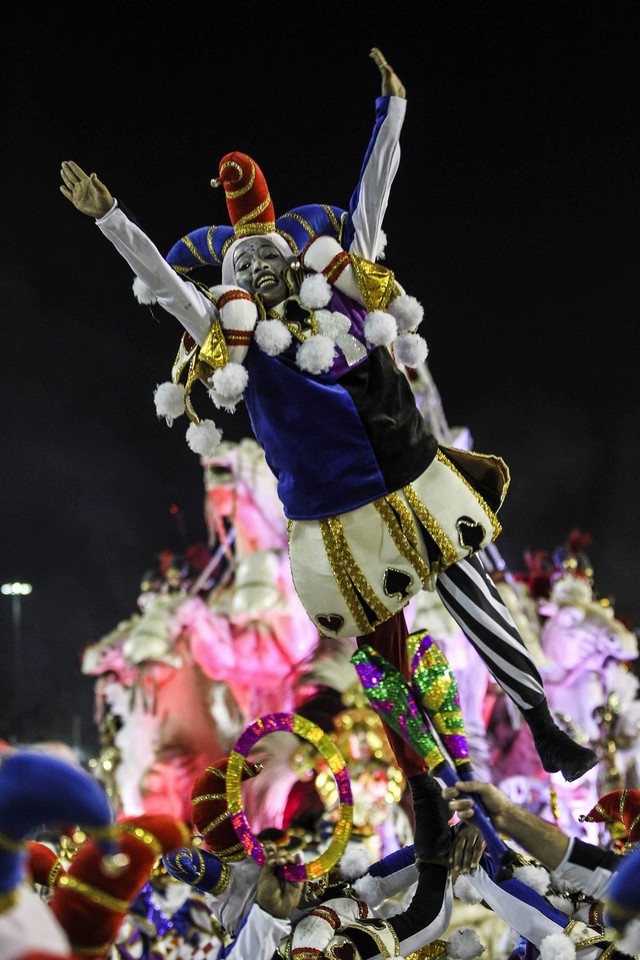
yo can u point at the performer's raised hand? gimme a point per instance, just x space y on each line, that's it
86 193
275 895
392 86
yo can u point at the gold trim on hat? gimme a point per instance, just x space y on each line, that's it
94 894
232 194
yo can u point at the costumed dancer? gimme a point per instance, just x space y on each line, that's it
35 790
377 509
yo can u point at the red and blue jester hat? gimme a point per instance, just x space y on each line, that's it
251 212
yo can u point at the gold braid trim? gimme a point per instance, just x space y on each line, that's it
485 506
399 523
8 900
430 952
193 250
332 219
581 944
247 225
11 846
303 223
90 951
433 528
54 873
355 574
148 838
341 577
101 897
210 246
232 854
233 194
223 881
201 864
216 823
208 796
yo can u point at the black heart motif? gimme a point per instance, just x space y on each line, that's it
330 621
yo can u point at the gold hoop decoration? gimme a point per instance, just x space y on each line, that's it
292 723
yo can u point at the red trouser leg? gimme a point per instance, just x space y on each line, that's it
390 640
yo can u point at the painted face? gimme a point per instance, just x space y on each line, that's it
259 266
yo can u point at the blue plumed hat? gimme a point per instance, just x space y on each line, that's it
251 212
39 790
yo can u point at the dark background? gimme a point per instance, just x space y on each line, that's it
513 218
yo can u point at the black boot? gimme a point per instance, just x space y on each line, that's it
555 748
432 834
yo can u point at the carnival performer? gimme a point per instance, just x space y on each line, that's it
377 509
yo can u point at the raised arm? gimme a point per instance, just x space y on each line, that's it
183 300
369 200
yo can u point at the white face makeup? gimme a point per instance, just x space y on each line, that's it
259 266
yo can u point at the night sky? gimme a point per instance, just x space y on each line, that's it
513 219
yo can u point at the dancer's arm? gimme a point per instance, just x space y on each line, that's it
543 841
183 300
369 200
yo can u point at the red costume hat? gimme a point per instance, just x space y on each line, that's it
247 194
44 865
210 812
90 903
622 809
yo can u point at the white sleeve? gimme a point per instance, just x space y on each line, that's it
187 304
376 178
258 936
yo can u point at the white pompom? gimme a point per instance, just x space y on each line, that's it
557 947
316 355
354 862
630 942
272 337
534 876
410 350
204 438
315 291
380 327
230 381
464 944
407 311
142 293
169 401
465 891
368 889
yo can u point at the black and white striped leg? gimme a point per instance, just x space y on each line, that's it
471 597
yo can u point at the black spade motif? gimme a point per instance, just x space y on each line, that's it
471 533
396 583
330 621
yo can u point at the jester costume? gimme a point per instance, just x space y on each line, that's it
377 509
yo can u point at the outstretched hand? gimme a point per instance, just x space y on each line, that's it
86 193
276 895
392 86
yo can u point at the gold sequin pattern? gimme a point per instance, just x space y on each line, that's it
401 527
491 515
376 283
213 353
430 952
433 528
303 223
354 572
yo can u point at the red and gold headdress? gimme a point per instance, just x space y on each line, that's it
249 204
620 810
